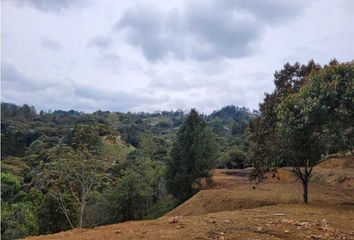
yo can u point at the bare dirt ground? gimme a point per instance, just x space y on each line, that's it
234 209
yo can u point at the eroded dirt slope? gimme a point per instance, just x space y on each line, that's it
234 209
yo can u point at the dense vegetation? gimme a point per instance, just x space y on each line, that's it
309 115
67 169
193 154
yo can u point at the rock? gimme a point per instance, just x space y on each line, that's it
259 229
287 221
324 222
286 231
117 231
278 214
227 221
179 226
222 238
210 220
303 224
317 237
174 219
327 229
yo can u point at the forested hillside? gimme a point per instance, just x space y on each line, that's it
66 169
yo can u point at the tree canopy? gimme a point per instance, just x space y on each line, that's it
193 156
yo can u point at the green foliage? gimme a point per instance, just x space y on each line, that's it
12 111
233 158
51 218
155 148
231 112
15 165
85 137
18 220
328 100
267 147
72 177
42 143
132 195
162 207
15 137
18 207
114 152
193 156
48 158
10 186
309 115
318 119
137 190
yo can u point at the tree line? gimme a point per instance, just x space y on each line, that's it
68 169
65 169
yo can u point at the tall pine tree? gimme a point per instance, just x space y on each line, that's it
193 156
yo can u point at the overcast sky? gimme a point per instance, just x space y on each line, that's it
160 55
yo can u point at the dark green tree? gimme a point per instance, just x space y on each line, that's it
323 107
233 158
193 155
266 144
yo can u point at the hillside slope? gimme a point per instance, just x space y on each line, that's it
233 209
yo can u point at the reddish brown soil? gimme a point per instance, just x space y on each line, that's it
233 209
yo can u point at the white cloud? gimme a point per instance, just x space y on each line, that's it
125 55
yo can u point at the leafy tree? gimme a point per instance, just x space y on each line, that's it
18 220
330 98
237 114
193 156
302 143
85 137
18 207
131 196
11 185
140 187
154 148
323 107
130 135
257 149
51 218
217 126
238 128
12 111
266 144
234 158
72 177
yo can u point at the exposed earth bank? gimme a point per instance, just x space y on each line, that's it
234 208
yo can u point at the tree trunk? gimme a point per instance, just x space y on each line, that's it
82 207
81 217
305 188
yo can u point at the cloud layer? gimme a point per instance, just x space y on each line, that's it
51 5
203 30
160 55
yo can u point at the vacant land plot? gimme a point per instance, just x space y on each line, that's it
234 208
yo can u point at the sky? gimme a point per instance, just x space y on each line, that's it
130 55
